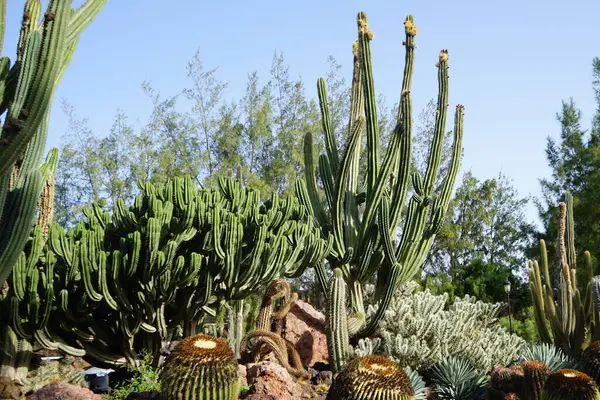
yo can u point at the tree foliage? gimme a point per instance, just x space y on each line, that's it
574 161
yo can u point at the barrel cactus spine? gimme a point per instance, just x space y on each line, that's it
363 217
590 360
200 367
535 376
371 377
568 384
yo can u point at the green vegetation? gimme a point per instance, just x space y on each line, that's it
199 231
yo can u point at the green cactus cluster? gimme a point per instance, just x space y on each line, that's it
371 377
120 283
571 321
363 214
200 367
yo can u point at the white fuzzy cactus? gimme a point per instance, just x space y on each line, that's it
419 330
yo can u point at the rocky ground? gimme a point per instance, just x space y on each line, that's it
304 327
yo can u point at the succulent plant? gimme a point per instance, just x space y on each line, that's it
569 384
503 382
200 367
456 379
570 320
371 377
590 361
362 212
536 373
549 354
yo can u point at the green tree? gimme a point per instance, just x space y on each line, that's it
574 160
483 242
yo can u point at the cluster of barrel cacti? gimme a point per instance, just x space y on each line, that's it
119 283
534 380
364 213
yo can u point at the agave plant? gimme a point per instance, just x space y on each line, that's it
456 379
417 382
550 355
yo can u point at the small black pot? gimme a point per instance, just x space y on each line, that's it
98 381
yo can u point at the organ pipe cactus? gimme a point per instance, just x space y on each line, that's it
363 217
563 321
44 51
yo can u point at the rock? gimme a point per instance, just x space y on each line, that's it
274 380
63 390
305 327
260 397
242 373
9 389
324 378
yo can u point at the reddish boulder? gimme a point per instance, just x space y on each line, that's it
63 390
242 372
273 380
305 328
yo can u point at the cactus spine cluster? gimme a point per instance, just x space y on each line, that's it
363 217
571 314
568 384
44 51
200 367
590 360
371 377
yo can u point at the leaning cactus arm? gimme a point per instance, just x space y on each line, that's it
83 16
330 142
18 219
43 83
435 154
537 295
364 36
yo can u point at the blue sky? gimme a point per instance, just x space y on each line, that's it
511 62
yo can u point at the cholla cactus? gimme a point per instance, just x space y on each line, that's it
418 331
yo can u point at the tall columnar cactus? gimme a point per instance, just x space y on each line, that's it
27 87
570 320
363 217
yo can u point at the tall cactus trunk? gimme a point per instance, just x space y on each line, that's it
338 343
239 325
362 212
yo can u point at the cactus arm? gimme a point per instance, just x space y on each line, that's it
42 84
330 142
340 194
435 154
17 222
372 126
309 184
337 342
83 16
2 23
